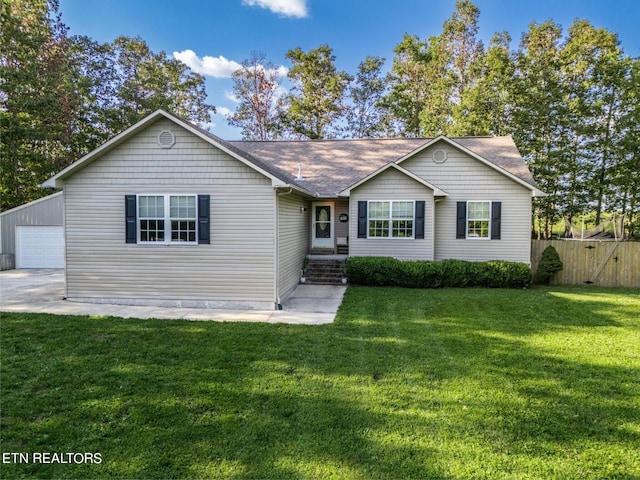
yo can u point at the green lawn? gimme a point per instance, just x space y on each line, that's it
450 383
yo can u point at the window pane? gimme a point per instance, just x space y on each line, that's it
478 215
379 210
378 228
182 206
323 213
151 206
402 229
183 231
151 230
478 229
479 210
402 209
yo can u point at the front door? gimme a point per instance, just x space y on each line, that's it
322 225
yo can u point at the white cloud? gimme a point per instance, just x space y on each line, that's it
224 111
286 8
231 96
217 67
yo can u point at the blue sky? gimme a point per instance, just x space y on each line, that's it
213 36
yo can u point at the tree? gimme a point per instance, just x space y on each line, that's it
463 49
538 108
147 81
627 169
62 97
485 108
37 98
316 101
257 87
365 116
549 264
408 85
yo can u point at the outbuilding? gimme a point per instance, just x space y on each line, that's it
33 234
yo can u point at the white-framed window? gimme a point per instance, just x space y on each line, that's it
167 219
390 219
478 224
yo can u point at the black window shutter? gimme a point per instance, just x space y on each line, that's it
362 219
419 232
461 220
204 223
496 213
130 219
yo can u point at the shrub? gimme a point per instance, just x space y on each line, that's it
550 263
388 271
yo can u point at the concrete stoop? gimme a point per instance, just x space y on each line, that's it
325 270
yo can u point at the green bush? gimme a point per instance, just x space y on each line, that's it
389 271
550 263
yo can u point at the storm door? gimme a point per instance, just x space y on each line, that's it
322 225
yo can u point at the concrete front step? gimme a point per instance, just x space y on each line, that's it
322 271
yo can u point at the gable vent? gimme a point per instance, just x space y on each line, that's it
166 139
439 156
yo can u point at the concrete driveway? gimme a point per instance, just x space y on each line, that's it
42 291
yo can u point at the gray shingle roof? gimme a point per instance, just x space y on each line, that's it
330 166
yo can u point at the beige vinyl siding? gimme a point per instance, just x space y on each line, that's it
465 178
293 240
238 265
342 228
392 185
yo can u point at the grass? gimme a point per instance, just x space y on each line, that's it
529 384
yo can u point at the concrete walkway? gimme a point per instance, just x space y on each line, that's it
42 291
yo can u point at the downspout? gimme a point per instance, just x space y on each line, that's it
276 249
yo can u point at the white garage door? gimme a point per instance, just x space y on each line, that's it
39 247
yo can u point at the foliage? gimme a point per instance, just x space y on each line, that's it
428 384
148 81
408 84
316 101
37 98
550 263
568 98
62 97
389 271
365 116
257 86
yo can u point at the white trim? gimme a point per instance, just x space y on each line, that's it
536 192
167 219
56 180
329 242
466 223
437 192
390 219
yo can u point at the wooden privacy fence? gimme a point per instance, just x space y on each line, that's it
607 264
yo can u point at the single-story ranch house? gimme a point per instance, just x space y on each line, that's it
166 213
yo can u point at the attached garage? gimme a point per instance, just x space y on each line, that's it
39 247
32 235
